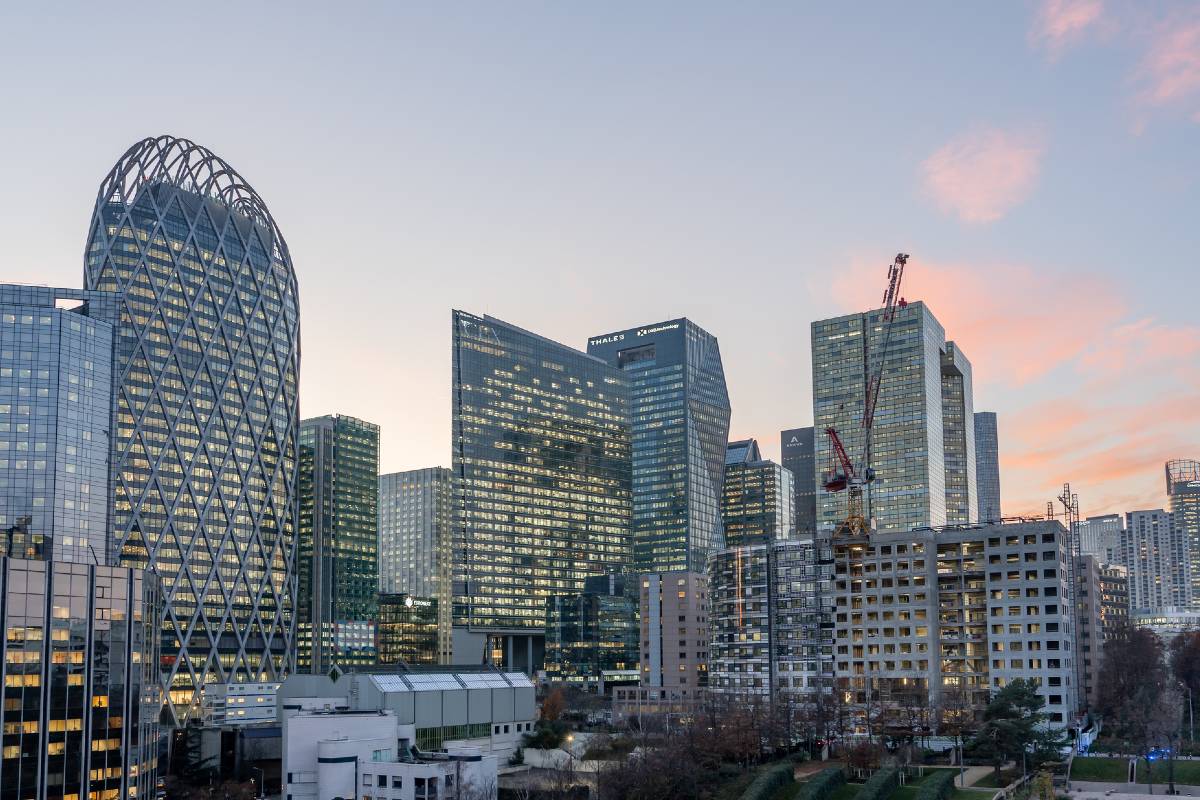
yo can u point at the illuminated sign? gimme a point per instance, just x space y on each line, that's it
410 602
657 329
616 337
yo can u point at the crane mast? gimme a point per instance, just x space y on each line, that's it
845 474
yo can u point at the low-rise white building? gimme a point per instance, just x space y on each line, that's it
357 755
223 704
447 708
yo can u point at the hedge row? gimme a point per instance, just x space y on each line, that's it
880 785
937 786
822 785
769 782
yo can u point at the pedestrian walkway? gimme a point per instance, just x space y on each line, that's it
1086 790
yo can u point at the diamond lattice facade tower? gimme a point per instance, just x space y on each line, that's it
541 483
204 463
680 432
337 596
923 443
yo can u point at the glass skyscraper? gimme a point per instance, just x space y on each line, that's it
758 500
204 463
987 466
56 390
592 636
337 553
680 432
407 630
541 482
1183 487
923 448
798 454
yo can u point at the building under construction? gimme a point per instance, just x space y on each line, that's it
929 622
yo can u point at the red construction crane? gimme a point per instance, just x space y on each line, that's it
844 474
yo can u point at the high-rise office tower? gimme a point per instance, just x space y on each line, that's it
1160 574
338 541
923 445
81 690
541 482
1101 537
680 432
987 466
407 630
416 522
1183 487
758 501
798 449
56 392
958 437
204 462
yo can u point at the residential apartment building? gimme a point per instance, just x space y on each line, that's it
1183 490
941 618
1155 552
770 612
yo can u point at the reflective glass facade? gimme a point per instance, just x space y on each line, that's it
204 461
81 692
593 632
56 390
909 441
416 521
337 552
758 499
958 437
798 449
987 466
541 479
407 629
680 432
1183 487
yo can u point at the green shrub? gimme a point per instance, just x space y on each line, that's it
937 786
769 782
880 786
822 785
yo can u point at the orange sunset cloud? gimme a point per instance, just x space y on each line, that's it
980 176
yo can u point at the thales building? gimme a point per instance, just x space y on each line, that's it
204 463
680 410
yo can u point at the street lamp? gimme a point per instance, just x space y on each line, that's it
261 786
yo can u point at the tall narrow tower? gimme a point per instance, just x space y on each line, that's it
204 467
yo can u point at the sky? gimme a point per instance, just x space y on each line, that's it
581 168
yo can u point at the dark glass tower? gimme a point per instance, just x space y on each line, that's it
541 481
758 502
987 466
204 463
798 449
337 566
680 431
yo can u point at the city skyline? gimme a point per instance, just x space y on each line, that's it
1080 340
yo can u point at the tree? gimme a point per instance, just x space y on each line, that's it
553 705
1014 726
1132 662
1185 666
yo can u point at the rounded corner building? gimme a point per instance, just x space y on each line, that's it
206 413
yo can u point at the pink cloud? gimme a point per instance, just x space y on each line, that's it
984 173
1170 70
1059 23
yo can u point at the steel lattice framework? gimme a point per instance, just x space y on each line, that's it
204 465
